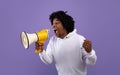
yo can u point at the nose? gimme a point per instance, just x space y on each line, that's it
53 25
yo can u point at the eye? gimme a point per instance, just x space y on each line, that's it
57 23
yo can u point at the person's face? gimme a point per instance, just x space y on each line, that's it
58 28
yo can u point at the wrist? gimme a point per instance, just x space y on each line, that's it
38 51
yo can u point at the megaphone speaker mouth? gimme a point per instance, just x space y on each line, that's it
25 40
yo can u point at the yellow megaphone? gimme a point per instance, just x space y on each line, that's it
40 37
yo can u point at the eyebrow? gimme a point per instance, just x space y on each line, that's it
57 20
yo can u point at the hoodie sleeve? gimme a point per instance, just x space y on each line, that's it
90 58
46 56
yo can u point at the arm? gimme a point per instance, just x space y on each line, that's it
90 58
88 53
46 55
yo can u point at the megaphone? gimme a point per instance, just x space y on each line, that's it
40 37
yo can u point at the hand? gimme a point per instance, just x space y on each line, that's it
39 47
87 45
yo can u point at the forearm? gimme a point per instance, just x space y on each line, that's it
45 57
90 58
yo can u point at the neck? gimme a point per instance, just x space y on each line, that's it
64 35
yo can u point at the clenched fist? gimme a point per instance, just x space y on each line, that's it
87 45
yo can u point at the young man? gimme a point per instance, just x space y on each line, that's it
70 51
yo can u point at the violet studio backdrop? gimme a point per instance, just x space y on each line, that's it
97 20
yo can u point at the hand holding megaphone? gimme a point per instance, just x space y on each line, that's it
39 47
38 37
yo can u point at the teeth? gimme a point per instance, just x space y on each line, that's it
55 30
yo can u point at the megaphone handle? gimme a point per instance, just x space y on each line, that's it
37 51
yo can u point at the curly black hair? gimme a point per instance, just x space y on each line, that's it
66 20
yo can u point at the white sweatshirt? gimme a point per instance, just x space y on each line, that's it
69 55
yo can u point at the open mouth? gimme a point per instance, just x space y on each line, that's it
55 30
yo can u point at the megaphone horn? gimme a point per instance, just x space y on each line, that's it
28 39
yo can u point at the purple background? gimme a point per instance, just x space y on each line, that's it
97 20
